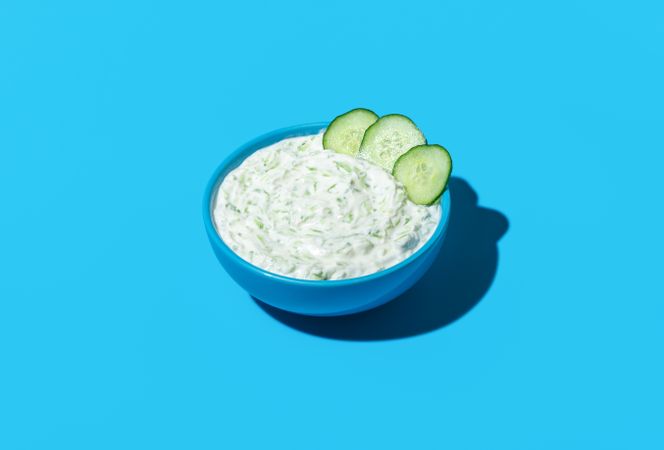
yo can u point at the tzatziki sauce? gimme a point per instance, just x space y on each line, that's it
296 209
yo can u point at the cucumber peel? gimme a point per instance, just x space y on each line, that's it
345 132
388 138
424 171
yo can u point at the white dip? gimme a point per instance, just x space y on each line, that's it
298 210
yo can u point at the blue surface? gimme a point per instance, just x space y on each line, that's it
316 297
119 329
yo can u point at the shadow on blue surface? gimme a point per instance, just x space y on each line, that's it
456 282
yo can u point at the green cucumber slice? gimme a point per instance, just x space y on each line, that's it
346 131
389 138
424 171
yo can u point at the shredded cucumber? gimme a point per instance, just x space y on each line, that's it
424 171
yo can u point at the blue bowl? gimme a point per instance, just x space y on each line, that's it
312 297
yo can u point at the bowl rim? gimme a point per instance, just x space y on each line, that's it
274 136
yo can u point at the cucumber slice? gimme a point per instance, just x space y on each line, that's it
424 171
387 139
345 133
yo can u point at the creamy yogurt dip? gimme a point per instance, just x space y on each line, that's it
295 209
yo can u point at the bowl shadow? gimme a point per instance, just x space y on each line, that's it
457 281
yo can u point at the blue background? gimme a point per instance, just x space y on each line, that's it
119 329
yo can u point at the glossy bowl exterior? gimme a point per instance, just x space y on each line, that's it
312 297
